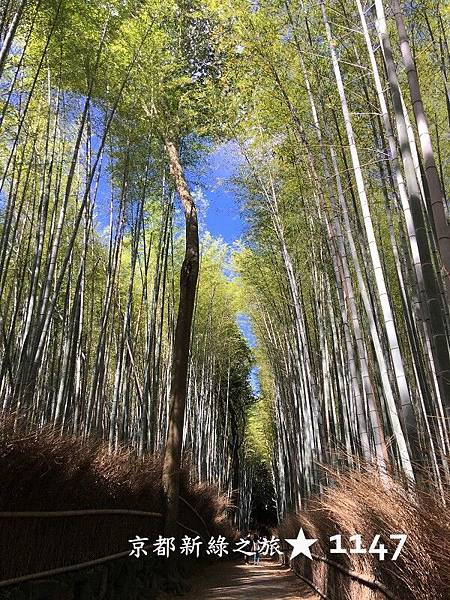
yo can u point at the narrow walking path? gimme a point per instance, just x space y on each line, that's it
231 581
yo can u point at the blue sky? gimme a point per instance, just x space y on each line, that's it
245 325
222 218
222 214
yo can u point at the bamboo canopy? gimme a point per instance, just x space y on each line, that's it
121 316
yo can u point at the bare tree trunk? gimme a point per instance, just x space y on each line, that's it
178 390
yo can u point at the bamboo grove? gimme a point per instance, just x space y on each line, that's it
91 248
346 263
338 113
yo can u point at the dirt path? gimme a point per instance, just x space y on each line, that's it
231 581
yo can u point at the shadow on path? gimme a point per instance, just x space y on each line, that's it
230 581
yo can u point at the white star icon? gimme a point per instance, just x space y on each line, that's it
301 545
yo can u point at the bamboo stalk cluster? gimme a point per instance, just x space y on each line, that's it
347 272
90 255
339 112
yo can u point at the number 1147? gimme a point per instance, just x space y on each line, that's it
376 547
